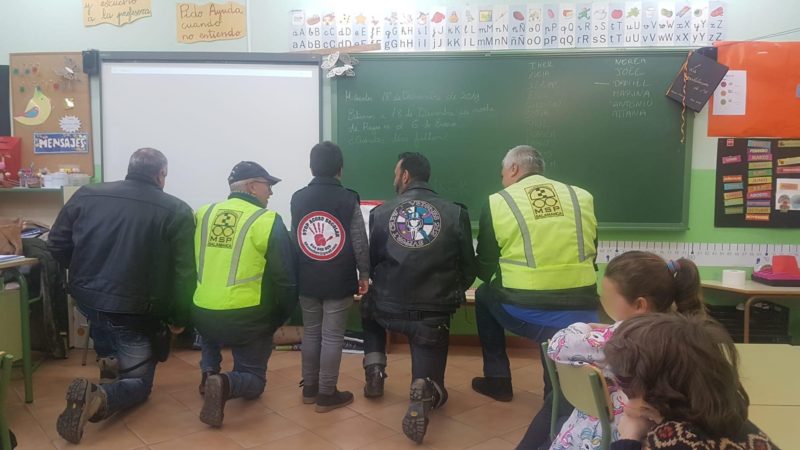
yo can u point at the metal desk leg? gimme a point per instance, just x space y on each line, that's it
25 321
747 305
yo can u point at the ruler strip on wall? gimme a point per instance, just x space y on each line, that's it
703 254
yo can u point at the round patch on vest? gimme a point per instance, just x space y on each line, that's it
321 236
415 224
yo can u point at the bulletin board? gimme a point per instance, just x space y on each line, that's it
758 183
51 110
760 94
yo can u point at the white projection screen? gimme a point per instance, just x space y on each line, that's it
206 116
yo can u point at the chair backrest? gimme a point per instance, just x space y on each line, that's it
6 361
550 367
585 387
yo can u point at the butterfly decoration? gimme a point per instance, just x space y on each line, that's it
339 64
70 72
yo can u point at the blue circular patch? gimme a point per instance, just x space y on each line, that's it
415 224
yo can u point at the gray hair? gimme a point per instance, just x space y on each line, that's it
527 158
241 185
147 161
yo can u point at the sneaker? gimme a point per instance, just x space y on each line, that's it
310 392
202 387
494 387
375 375
415 422
109 369
85 401
329 402
216 393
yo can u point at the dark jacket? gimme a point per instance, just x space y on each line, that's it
129 248
421 253
322 215
278 295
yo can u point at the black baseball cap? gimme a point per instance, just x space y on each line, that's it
249 169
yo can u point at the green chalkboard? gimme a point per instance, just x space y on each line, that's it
601 120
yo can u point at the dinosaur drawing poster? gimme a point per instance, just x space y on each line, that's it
51 110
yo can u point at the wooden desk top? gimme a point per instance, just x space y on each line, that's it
752 288
19 263
779 422
769 373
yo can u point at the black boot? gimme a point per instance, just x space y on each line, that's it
202 387
415 422
218 390
494 387
310 392
375 374
330 402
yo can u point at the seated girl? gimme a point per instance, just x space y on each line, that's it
635 283
681 378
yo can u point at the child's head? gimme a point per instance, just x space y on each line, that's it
686 367
642 282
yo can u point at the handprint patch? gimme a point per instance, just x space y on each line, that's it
321 236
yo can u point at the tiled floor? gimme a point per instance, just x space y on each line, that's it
279 420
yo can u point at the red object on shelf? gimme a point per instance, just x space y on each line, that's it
10 156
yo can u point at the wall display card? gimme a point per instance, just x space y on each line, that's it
730 97
748 192
578 24
703 75
210 22
119 13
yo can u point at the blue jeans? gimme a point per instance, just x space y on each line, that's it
492 320
429 339
124 337
249 376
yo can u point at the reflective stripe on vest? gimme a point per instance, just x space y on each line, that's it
546 232
232 242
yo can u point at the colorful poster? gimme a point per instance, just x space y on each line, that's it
119 13
211 22
569 24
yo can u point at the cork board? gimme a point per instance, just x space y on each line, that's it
51 110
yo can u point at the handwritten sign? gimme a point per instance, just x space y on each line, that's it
49 143
115 12
210 22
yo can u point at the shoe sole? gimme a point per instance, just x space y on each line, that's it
368 394
70 422
328 408
415 424
309 400
213 403
500 398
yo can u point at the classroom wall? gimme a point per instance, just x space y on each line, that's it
57 25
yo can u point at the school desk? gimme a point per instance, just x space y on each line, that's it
12 268
754 291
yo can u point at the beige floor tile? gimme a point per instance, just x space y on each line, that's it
154 428
395 442
516 436
493 444
210 439
306 417
29 432
254 430
305 441
446 433
354 432
109 434
499 418
279 420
